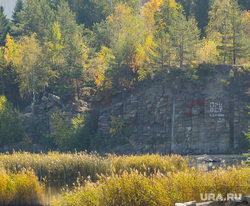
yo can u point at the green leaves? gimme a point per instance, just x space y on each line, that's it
226 29
11 128
4 26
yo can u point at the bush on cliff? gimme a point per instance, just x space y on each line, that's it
11 124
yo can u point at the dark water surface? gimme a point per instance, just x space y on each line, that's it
211 162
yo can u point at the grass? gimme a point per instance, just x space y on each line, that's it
114 180
69 166
22 188
135 188
57 166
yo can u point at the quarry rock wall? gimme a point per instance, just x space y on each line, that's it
181 117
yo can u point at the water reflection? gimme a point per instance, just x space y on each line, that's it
53 189
211 162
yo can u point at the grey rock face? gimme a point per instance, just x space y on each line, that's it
182 118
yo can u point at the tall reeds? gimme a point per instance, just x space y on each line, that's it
135 188
22 188
69 166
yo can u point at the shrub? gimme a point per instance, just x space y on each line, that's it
11 124
76 134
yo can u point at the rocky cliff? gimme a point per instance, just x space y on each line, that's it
185 118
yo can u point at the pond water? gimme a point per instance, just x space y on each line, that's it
210 162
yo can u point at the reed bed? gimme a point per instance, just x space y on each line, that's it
148 164
57 166
22 188
69 166
135 188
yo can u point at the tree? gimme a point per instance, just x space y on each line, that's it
73 52
161 52
188 6
185 38
245 4
18 7
9 85
67 21
76 60
166 15
27 58
201 9
208 52
53 51
36 17
75 134
4 26
126 32
226 29
88 12
11 124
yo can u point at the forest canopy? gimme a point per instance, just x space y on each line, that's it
63 46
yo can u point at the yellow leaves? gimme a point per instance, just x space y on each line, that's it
9 49
55 45
28 52
3 102
149 11
22 187
78 121
102 61
208 51
121 15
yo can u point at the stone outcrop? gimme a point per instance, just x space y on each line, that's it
38 117
182 118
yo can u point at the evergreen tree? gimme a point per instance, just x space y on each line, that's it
188 6
185 38
88 12
201 9
36 17
166 14
71 35
11 124
161 52
126 32
226 29
245 4
4 27
18 7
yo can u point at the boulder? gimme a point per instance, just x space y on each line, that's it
44 99
54 98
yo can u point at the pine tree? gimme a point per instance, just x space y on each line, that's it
18 7
36 17
201 9
161 52
226 29
185 38
4 27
